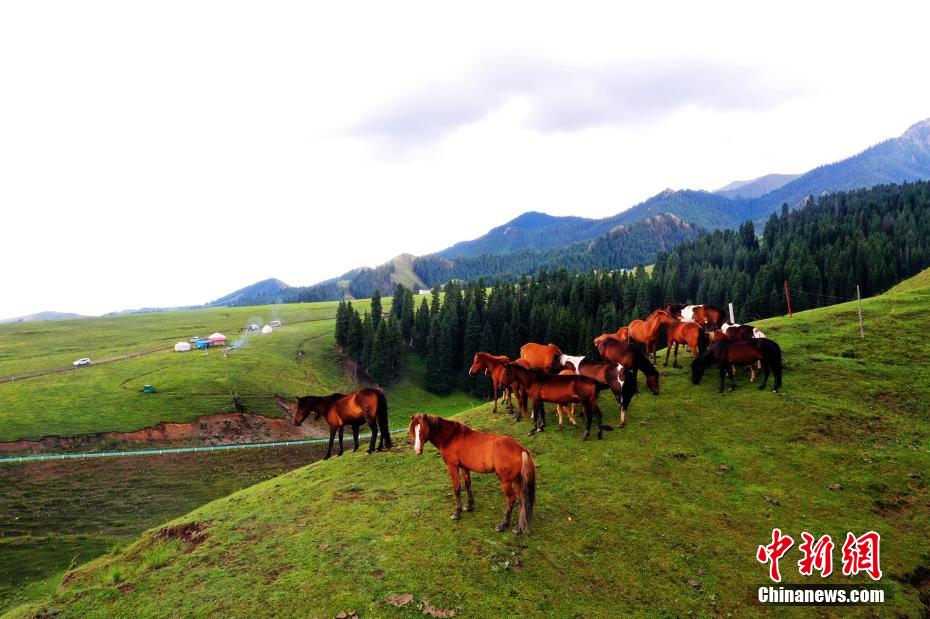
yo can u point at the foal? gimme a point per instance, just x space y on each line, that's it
482 452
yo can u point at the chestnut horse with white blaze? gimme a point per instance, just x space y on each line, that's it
690 334
465 449
541 356
363 406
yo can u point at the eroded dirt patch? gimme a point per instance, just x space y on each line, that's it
218 429
191 534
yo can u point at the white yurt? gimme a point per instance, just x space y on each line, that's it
182 347
266 329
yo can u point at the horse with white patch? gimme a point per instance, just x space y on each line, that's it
620 381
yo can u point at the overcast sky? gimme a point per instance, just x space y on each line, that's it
159 154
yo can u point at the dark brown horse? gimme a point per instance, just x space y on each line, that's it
738 333
707 315
492 364
620 381
563 409
690 334
542 387
727 353
465 449
631 358
541 356
363 406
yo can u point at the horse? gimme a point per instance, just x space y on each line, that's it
728 353
366 405
707 315
463 448
541 356
737 333
558 389
631 358
646 332
491 364
689 333
563 409
620 381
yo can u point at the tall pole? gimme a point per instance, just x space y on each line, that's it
788 298
732 316
859 302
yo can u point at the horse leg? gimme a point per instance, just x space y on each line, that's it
494 410
668 349
509 494
724 369
332 437
374 435
561 411
765 375
731 371
340 440
596 410
456 485
355 436
571 415
471 499
675 364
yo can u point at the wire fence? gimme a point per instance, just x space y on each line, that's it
172 450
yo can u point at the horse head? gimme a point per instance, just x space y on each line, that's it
419 432
306 406
477 365
700 364
288 406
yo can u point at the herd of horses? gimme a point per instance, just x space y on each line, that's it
544 374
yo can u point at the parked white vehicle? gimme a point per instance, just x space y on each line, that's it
275 323
81 361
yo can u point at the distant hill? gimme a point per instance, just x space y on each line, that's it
265 292
535 240
756 187
42 316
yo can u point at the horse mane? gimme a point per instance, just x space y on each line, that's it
441 430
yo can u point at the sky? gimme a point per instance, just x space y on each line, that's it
164 154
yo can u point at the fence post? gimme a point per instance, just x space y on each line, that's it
859 303
732 316
788 298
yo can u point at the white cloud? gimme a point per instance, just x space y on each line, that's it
168 154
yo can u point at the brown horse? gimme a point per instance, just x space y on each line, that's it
363 406
739 333
465 449
631 358
541 356
646 332
620 381
557 389
563 409
727 353
690 334
707 315
492 364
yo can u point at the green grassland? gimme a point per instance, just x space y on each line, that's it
660 518
109 397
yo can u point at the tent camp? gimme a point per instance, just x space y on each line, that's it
217 339
182 347
266 329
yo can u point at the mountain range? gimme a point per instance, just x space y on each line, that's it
533 241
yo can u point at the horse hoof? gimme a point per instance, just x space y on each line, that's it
469 508
500 528
455 516
518 531
584 436
600 436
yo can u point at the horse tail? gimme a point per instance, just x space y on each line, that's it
528 487
702 341
382 416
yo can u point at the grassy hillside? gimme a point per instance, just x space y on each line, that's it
109 397
662 517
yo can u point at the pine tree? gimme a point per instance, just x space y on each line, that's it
354 336
376 311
